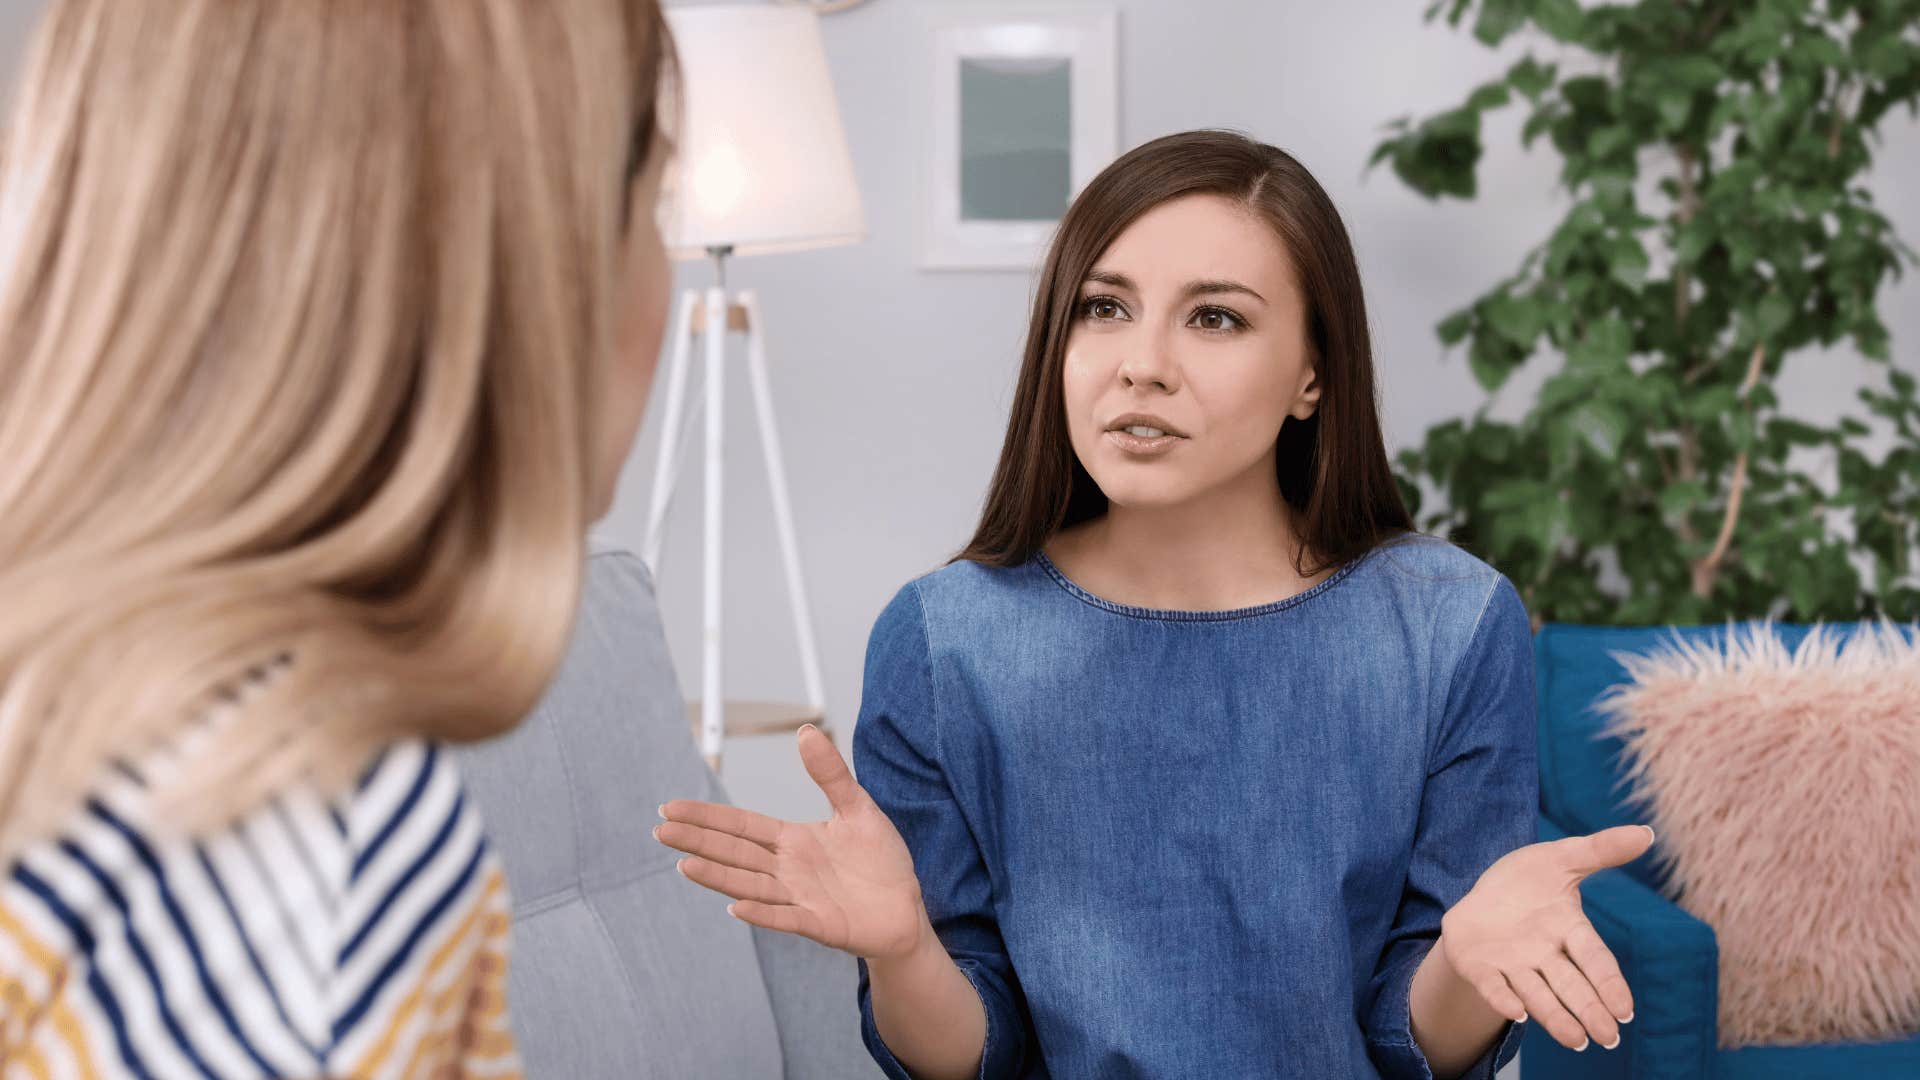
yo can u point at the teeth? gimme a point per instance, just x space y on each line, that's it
1145 432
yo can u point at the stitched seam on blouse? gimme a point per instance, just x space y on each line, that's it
940 755
1454 676
933 698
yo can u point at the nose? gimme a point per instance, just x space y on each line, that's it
1151 367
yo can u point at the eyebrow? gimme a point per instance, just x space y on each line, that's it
1193 289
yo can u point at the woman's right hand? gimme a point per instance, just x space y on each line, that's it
846 882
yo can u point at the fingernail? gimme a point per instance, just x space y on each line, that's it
662 809
1651 835
808 727
1614 1045
656 832
1582 1048
730 911
1627 1019
681 865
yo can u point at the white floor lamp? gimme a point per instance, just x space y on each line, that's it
763 168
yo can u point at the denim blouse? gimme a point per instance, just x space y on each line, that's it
1201 844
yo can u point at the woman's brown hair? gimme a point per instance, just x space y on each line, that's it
1333 468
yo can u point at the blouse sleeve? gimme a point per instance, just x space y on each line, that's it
1479 802
896 757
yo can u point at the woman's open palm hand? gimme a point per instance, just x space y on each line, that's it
846 882
1522 940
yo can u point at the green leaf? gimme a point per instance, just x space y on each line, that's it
1606 346
1602 426
1453 329
1873 341
1563 445
1561 19
1796 433
1498 18
1530 77
1489 96
1695 71
1490 366
1691 241
1517 319
1627 261
1611 140
1819 51
1681 496
1542 119
1674 104
1903 383
1772 316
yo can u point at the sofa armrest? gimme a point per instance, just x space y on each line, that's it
815 999
1672 963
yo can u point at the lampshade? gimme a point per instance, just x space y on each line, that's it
762 157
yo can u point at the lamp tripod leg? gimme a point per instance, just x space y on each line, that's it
782 506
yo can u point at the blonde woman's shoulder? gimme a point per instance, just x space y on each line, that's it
359 935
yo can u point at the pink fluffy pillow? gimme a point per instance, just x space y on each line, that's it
1785 788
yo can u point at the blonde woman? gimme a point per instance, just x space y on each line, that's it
324 328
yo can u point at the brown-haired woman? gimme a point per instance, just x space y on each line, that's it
324 330
1198 761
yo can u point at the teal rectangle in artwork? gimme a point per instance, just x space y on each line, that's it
1016 138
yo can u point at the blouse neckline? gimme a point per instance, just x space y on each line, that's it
1132 611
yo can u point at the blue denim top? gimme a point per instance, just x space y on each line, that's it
1201 844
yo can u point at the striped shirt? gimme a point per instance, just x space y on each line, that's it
360 936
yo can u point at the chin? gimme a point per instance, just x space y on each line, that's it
1145 493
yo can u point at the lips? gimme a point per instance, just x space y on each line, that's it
1144 426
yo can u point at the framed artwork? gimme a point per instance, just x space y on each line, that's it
1018 112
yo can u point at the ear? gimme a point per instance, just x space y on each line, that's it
1308 400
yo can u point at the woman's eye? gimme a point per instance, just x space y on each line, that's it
1102 309
1218 319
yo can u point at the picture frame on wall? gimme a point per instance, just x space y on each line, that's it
1018 111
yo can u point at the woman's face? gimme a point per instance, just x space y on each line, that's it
1188 350
642 296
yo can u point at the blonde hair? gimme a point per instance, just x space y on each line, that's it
302 307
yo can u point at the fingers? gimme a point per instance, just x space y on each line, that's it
782 917
1597 963
829 769
1607 848
1543 1005
714 846
1577 994
758 828
733 881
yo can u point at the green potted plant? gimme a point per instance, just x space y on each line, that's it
1713 155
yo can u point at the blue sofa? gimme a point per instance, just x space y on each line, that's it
1669 957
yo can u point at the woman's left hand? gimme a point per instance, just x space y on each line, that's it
1520 938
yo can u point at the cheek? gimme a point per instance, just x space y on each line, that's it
642 304
1245 398
1080 384
651 291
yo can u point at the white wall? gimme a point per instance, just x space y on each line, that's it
894 384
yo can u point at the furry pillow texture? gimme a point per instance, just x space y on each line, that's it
1785 790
